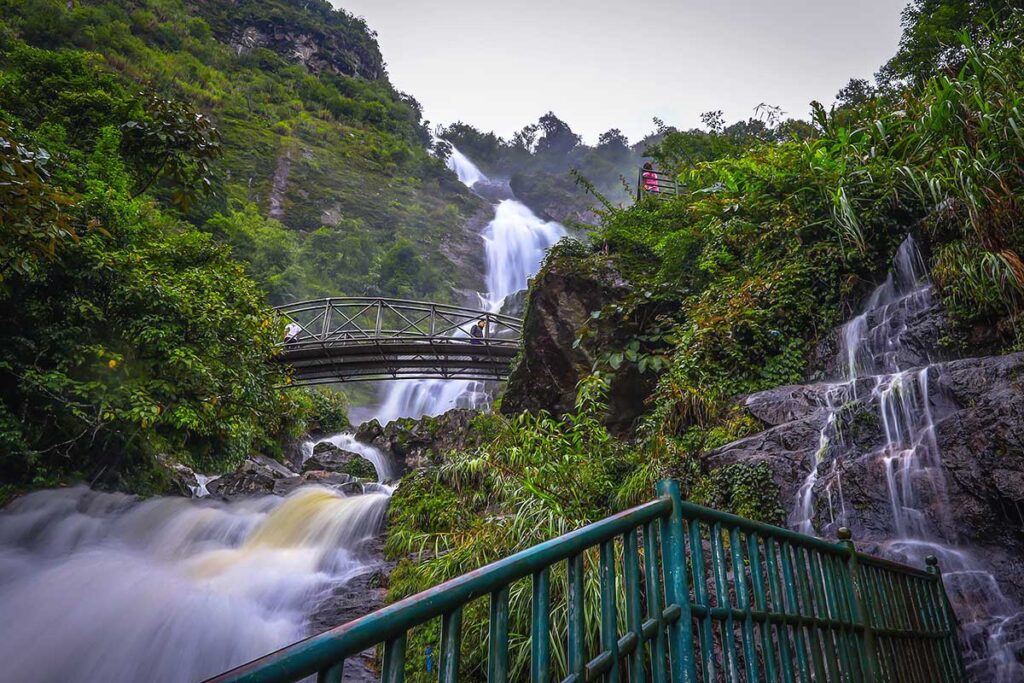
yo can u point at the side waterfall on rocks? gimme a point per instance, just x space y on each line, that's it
878 432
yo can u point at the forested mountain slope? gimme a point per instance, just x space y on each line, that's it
314 136
167 170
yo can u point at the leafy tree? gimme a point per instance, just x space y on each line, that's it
931 36
556 136
172 140
855 93
35 217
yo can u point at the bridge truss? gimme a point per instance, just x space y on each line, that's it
353 339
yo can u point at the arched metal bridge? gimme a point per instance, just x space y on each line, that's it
352 339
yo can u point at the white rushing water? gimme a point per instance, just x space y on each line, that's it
514 242
347 442
880 379
105 588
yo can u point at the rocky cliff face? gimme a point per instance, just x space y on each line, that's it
308 32
563 296
917 457
554 197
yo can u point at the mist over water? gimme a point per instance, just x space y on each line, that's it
103 587
515 242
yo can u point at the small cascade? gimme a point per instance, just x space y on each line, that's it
346 441
515 242
105 588
883 380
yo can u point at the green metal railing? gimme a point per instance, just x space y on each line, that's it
707 596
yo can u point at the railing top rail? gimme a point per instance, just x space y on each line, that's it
657 172
882 563
401 304
691 511
307 656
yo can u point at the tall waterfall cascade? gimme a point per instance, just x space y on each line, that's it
880 381
514 244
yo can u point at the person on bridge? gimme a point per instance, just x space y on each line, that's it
477 332
650 178
291 332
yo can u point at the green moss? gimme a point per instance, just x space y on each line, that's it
745 490
361 468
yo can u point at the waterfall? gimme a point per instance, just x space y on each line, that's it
880 379
105 587
346 441
469 175
515 242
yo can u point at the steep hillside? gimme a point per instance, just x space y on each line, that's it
167 170
326 185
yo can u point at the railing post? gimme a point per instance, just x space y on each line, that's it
327 320
677 591
952 636
861 608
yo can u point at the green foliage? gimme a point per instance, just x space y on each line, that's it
129 333
932 36
322 410
745 490
175 142
35 217
334 154
536 479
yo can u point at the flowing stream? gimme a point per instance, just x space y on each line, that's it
514 243
104 587
880 381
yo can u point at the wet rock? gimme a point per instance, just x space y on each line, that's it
785 449
182 480
413 444
978 410
329 458
982 444
563 297
346 483
463 250
785 404
356 598
514 304
257 475
916 345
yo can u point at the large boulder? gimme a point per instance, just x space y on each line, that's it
413 444
562 299
329 458
257 475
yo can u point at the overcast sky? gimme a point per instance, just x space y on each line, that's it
600 64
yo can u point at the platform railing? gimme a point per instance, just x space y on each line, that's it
707 596
656 184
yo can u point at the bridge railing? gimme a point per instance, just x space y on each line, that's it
707 596
352 320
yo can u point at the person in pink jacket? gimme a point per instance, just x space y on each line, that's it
650 178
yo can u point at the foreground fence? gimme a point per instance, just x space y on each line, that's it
706 596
